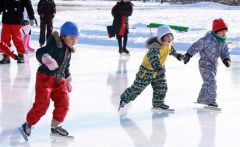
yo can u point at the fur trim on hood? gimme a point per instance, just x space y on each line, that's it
59 41
153 43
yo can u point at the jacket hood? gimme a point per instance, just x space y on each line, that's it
56 38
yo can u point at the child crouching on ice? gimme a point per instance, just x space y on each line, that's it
152 70
210 47
53 80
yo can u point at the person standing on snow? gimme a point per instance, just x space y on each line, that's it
46 10
12 19
210 47
121 11
152 70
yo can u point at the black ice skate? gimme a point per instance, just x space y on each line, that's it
25 131
162 108
120 50
125 51
5 60
213 104
20 58
59 132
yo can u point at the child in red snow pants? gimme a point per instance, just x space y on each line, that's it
48 89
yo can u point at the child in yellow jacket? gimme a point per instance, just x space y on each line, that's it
152 69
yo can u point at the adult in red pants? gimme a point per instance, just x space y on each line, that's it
12 19
53 80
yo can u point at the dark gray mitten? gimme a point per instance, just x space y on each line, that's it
180 57
186 58
227 62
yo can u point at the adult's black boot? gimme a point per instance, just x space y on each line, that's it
5 60
20 58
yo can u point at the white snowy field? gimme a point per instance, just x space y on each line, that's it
93 17
100 76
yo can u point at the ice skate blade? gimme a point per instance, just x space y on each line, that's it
155 110
60 137
212 108
24 135
199 103
209 107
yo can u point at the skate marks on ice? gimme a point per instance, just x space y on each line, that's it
208 107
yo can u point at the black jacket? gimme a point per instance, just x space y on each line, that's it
46 8
58 51
13 11
1 7
119 10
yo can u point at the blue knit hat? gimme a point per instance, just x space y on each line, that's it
69 29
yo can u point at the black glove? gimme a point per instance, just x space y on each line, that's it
186 58
227 62
179 56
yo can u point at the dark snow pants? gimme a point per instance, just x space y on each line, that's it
143 78
45 23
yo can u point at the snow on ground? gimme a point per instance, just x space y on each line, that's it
94 16
100 76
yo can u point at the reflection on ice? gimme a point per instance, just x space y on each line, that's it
207 122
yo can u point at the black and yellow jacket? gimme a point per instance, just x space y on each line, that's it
155 58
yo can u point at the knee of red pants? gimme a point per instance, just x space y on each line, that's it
36 112
61 110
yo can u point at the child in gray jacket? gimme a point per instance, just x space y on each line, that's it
210 47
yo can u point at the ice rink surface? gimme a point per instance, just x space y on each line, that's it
99 77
